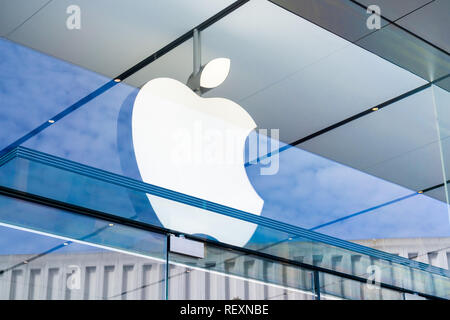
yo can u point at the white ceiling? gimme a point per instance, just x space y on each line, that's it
114 34
417 39
395 9
285 71
399 143
14 13
438 193
431 23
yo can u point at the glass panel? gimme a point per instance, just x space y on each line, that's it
407 51
111 36
307 59
52 254
403 37
335 287
229 275
35 87
344 18
98 134
393 10
441 101
309 247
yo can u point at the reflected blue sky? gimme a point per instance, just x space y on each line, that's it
310 191
20 218
34 87
14 241
307 191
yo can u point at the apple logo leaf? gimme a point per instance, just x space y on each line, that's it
214 73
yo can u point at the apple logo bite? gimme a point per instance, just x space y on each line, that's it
195 146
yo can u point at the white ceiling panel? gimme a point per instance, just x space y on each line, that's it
342 85
256 38
438 193
399 143
431 23
442 102
176 64
15 12
286 72
385 134
395 9
114 34
418 169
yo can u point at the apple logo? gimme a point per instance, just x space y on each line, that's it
195 146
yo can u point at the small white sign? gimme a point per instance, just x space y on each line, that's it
187 247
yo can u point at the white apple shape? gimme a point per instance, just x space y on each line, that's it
174 131
214 73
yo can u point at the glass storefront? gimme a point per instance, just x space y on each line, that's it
345 195
63 255
299 263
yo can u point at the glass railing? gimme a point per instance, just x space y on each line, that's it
43 176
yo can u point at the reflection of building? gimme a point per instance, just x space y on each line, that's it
112 275
96 275
433 251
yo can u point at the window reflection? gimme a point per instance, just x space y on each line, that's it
39 267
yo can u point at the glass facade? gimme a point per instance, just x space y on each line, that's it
24 172
71 256
349 156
